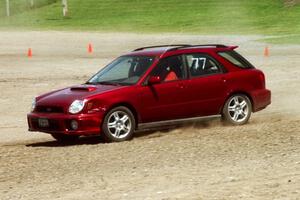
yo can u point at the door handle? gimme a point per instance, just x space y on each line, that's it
224 80
181 85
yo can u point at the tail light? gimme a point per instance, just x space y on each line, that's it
262 79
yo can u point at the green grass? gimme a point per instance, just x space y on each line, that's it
268 17
285 39
19 6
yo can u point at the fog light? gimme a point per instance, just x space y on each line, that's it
74 125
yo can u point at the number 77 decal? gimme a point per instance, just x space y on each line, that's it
198 61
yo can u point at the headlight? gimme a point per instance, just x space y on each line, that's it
33 104
76 106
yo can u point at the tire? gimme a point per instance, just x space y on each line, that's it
237 110
118 125
65 138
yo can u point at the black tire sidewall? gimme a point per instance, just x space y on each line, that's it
105 132
226 115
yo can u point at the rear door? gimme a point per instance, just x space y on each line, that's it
207 84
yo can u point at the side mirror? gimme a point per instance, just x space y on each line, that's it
154 80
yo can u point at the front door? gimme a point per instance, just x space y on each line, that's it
166 100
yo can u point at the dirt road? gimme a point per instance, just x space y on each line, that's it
204 160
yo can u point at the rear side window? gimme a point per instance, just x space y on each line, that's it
236 59
201 65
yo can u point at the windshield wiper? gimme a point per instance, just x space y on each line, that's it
104 83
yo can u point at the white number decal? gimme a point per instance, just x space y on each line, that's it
198 61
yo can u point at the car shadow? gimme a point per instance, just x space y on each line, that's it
155 131
166 128
149 133
93 140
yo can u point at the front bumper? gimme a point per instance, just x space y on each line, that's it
261 99
88 124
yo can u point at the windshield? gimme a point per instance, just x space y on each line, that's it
125 70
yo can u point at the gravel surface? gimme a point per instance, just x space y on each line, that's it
200 160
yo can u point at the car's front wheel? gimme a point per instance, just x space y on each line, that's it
237 109
118 125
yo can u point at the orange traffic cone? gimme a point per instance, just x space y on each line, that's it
29 53
266 52
90 48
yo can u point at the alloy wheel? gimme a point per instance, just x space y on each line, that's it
119 124
238 108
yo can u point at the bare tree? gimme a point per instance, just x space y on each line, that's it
7 8
290 3
65 7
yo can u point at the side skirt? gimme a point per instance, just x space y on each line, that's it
150 125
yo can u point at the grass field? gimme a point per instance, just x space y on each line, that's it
19 6
269 17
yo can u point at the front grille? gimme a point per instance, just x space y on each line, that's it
49 109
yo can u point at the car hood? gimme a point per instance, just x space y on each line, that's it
66 96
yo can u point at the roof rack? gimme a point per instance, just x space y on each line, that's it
167 45
182 46
200 45
213 45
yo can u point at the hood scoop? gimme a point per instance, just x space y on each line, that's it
83 88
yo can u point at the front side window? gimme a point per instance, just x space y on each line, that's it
170 69
201 65
125 70
236 59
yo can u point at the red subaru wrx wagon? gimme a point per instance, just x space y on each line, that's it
153 86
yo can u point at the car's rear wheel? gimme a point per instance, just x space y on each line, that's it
118 125
237 109
65 138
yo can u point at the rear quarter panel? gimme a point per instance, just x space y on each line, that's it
250 82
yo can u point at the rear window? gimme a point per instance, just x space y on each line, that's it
236 59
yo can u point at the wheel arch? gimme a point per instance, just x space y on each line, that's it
238 92
130 107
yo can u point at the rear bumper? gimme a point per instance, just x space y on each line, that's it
261 99
88 124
